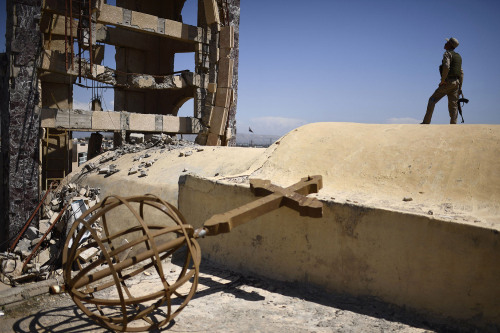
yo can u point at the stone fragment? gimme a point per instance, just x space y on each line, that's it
87 255
136 137
23 248
132 170
31 233
144 173
104 170
43 226
12 267
44 256
407 199
35 241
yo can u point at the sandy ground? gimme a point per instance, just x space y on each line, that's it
229 302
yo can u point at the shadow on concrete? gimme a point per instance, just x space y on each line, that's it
368 306
56 320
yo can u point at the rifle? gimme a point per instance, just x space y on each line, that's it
462 100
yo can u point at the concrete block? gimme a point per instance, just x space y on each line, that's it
224 53
218 119
223 97
225 78
110 14
181 125
211 11
212 88
144 21
48 118
71 119
102 120
142 122
292 253
137 137
226 37
213 139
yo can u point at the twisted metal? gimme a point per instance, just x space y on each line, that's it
100 288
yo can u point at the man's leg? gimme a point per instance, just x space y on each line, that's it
438 94
453 103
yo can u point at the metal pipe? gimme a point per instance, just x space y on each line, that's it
26 261
13 246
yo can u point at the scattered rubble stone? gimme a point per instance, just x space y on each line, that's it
407 199
44 262
31 233
132 170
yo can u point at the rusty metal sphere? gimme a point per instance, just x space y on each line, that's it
124 290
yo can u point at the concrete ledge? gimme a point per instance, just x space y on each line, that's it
440 268
116 121
15 296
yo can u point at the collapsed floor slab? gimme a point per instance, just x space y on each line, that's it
411 212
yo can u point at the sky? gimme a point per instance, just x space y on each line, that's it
352 61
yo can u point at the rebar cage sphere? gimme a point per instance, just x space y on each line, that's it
103 288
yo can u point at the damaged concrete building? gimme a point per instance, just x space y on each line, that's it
52 45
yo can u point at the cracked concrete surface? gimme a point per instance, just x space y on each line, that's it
229 302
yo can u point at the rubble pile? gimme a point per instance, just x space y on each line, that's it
37 254
158 143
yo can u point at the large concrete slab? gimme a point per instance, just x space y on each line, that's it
438 253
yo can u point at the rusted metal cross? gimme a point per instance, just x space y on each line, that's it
274 197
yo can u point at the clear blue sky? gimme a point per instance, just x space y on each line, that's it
355 61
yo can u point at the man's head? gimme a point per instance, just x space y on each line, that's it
451 43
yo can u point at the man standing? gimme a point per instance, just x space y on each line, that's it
452 77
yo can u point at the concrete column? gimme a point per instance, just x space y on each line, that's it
234 20
20 131
95 143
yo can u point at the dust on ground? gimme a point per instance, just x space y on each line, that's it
230 302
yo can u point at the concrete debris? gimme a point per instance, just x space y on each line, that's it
104 170
31 233
136 138
50 236
147 144
132 170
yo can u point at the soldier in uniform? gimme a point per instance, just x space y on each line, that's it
452 77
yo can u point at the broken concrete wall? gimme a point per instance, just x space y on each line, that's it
156 59
437 267
20 128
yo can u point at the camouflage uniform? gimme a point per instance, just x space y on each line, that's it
453 75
